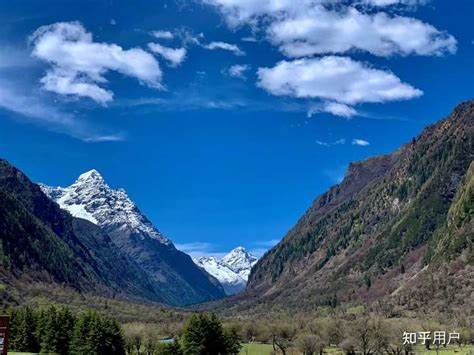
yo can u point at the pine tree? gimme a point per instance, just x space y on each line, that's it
203 334
113 337
96 334
66 326
23 330
49 338
80 342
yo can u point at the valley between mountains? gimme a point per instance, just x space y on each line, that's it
385 237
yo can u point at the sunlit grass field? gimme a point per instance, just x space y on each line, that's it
455 350
267 349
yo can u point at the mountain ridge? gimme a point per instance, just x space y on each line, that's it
382 218
41 240
180 280
89 197
110 258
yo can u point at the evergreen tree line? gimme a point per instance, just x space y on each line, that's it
59 331
55 330
203 334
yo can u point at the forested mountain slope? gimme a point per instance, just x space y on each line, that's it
179 280
40 242
392 220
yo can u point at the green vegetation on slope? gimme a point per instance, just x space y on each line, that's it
367 236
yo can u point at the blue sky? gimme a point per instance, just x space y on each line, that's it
224 119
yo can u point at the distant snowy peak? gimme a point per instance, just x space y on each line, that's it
90 198
240 261
232 271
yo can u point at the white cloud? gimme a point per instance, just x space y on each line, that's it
67 82
29 107
324 144
188 37
238 12
360 142
334 108
78 64
14 100
226 47
104 138
174 55
338 109
237 70
308 27
249 39
328 144
383 3
338 79
162 34
320 31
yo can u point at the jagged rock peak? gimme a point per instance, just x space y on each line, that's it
91 175
91 198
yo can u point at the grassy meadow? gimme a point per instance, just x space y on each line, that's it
267 349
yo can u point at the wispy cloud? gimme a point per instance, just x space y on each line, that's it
175 56
249 39
226 47
360 142
338 109
329 144
105 138
32 107
162 34
237 71
14 57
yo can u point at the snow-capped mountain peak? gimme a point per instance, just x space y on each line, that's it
91 175
232 270
240 261
91 198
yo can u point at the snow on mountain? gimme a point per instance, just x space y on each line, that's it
90 198
240 261
232 270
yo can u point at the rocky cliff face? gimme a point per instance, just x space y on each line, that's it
181 282
382 225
